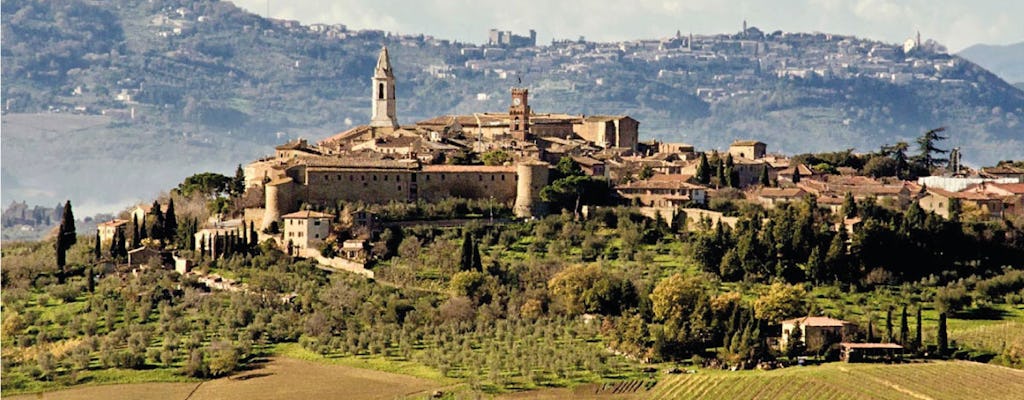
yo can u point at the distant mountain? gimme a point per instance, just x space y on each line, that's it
1005 61
186 86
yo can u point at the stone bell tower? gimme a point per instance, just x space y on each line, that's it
383 82
519 114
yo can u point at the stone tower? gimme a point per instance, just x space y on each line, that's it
383 82
519 114
532 177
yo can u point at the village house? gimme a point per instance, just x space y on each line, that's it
213 238
816 332
306 229
107 230
938 201
748 149
787 174
664 191
770 197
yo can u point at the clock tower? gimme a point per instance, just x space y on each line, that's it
519 114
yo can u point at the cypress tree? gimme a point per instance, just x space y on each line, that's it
764 178
202 247
122 246
849 206
943 339
703 170
466 253
720 172
157 230
66 237
90 280
253 236
170 222
796 174
136 235
97 251
238 183
477 262
888 326
143 233
918 342
871 329
904 327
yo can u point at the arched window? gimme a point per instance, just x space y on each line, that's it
515 125
380 91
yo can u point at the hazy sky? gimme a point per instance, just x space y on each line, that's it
954 23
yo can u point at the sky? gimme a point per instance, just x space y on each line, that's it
957 24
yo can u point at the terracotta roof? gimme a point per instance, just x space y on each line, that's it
307 214
661 182
115 222
357 162
779 192
1015 188
816 321
587 161
469 168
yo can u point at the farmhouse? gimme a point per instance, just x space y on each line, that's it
816 331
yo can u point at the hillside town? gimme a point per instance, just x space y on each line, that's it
431 160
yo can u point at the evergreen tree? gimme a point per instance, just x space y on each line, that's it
943 339
136 231
926 145
156 231
888 326
849 206
238 183
703 170
253 236
796 174
795 346
466 253
66 237
143 233
764 178
120 249
202 247
836 257
97 252
90 280
477 262
720 173
871 329
904 327
170 227
918 342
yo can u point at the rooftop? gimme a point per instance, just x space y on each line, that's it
816 321
307 214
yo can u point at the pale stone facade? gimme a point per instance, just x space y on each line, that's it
306 229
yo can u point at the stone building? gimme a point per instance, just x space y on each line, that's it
107 230
816 331
306 229
748 149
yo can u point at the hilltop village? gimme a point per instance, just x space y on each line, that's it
509 158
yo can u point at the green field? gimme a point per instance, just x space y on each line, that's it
933 380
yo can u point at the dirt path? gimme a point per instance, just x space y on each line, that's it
279 378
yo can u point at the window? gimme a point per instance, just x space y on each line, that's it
380 91
481 178
503 177
327 177
442 177
385 178
492 177
398 178
316 222
351 177
399 188
375 178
